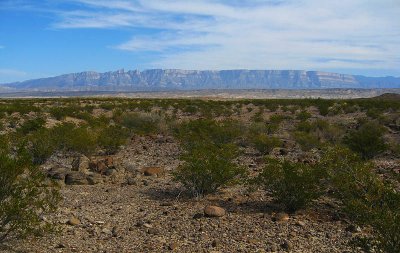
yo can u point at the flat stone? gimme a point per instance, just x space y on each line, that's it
214 211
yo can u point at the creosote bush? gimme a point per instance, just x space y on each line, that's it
111 138
365 197
205 130
294 185
208 167
367 140
140 123
265 143
23 197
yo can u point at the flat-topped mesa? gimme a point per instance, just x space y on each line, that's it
178 79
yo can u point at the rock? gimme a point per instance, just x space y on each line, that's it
173 246
73 221
81 164
98 166
300 224
131 181
152 171
153 231
198 216
107 231
214 211
61 246
281 217
353 228
76 178
116 232
57 173
94 179
286 245
110 172
215 243
109 161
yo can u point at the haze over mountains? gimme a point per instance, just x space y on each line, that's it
176 79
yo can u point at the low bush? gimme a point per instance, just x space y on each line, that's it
365 197
23 198
367 140
265 143
208 167
111 138
303 115
294 185
307 141
31 125
140 123
206 130
43 145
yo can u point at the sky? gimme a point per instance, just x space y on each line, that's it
41 38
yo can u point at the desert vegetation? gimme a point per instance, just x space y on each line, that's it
298 159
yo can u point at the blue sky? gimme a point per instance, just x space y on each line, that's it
40 38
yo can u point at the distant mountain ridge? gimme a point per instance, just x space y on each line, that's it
177 79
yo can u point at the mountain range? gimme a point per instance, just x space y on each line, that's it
177 79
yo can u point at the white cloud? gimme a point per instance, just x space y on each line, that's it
211 34
12 72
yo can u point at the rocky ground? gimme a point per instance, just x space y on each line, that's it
129 203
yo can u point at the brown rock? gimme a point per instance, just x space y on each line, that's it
109 161
214 211
281 217
173 246
99 167
73 221
152 171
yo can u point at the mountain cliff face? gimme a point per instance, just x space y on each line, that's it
175 79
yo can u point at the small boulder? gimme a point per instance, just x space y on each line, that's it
153 171
98 166
81 164
281 217
214 211
57 173
76 178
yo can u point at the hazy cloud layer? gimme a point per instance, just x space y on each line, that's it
270 34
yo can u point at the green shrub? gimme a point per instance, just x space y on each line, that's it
303 115
32 125
23 198
208 167
365 197
43 145
81 140
319 130
265 143
143 123
63 137
294 185
307 141
111 138
367 140
205 130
